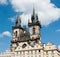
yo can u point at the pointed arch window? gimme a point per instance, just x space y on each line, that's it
33 30
16 33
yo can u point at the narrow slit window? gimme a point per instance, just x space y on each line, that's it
16 33
33 30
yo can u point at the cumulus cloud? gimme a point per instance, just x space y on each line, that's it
5 33
47 11
12 19
59 47
58 30
3 2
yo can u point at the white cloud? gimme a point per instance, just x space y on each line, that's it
58 30
12 19
47 11
5 33
3 2
59 47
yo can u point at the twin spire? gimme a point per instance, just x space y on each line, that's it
34 19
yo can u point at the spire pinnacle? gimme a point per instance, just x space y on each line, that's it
33 11
28 21
18 20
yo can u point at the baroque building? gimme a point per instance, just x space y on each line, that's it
29 44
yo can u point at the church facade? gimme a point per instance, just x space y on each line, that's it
29 44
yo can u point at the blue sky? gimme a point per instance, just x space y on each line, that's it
50 32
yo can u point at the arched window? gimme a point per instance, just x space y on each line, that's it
16 33
33 30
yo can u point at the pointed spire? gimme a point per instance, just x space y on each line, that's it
18 20
33 11
28 21
33 16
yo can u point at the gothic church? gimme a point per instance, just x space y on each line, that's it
24 44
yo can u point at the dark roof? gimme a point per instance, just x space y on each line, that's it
16 27
34 24
23 39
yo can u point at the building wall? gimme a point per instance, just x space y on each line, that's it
36 51
37 32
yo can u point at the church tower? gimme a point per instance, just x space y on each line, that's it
35 27
16 33
19 34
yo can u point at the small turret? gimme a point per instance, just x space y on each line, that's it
28 21
34 17
18 21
